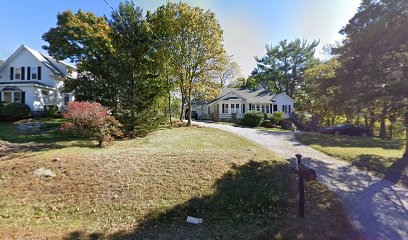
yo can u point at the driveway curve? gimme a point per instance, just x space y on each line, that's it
377 207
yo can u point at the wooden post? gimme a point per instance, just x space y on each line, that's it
301 188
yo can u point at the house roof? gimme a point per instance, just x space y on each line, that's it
54 65
25 83
251 95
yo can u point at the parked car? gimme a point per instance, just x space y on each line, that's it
347 129
194 115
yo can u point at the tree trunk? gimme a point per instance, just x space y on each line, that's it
169 97
333 120
189 104
183 101
372 121
383 130
366 120
406 135
393 119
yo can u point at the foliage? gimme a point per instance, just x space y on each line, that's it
114 59
93 120
282 69
277 117
267 116
253 119
374 62
321 95
192 39
14 111
50 110
287 124
229 72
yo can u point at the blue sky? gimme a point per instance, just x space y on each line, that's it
248 24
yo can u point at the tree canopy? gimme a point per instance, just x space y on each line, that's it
193 38
282 69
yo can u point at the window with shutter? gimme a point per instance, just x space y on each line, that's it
17 75
11 73
39 73
22 73
28 73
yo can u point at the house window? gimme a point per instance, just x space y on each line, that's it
258 108
267 108
12 97
275 108
225 108
285 108
237 107
34 73
263 108
17 97
7 97
232 108
17 75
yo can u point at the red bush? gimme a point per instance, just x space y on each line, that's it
93 120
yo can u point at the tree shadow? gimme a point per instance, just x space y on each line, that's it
326 140
377 207
248 203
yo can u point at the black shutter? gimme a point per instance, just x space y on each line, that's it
39 73
289 109
283 108
22 73
250 107
223 108
22 97
28 73
243 108
11 73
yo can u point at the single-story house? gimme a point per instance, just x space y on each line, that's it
35 79
241 100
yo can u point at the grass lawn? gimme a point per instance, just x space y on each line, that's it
273 129
145 189
381 157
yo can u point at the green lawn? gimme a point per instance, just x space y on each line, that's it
273 129
378 156
49 133
145 189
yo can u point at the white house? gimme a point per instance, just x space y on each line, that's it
35 79
242 100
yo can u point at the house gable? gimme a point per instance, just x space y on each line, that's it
231 96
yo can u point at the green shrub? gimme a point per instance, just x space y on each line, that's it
287 124
1 106
50 110
278 117
15 111
268 116
253 119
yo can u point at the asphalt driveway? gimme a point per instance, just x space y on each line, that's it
377 207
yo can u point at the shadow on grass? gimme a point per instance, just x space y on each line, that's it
248 203
326 140
391 169
376 206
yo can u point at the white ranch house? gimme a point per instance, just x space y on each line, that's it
241 100
35 79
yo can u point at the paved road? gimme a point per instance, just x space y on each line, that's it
377 207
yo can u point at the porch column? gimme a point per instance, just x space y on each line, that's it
219 108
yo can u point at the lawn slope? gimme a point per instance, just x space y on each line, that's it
146 188
378 156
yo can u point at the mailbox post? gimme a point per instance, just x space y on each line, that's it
303 173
